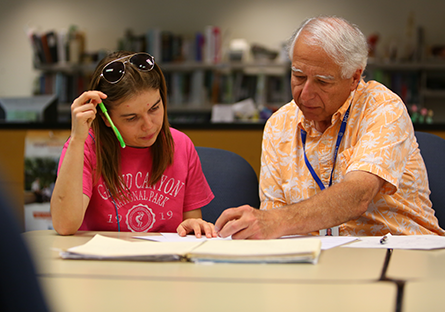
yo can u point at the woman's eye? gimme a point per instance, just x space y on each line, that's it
155 107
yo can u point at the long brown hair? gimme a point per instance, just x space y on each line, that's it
107 146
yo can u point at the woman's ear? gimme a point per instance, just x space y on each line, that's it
107 123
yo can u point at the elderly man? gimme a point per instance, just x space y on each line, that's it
341 158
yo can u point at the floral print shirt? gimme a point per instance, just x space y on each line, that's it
379 139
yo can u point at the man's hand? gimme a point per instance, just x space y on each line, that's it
246 222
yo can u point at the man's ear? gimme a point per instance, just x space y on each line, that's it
356 79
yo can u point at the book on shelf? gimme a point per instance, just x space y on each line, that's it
37 48
299 250
167 46
178 88
208 86
56 47
50 43
197 88
212 43
67 87
199 46
403 83
153 42
62 46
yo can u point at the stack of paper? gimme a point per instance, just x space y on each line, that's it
261 251
270 251
107 248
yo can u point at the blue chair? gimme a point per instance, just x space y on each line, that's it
432 149
231 178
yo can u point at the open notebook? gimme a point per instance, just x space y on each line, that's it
305 250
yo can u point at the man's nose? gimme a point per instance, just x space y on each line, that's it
308 90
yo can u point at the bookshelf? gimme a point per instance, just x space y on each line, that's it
197 72
195 84
193 87
201 73
65 80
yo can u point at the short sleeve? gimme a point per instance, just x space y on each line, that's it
384 143
197 191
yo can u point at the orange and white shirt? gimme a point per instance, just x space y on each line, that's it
379 139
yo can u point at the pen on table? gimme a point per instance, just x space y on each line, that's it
385 238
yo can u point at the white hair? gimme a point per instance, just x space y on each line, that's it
343 41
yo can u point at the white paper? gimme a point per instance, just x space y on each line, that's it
259 251
174 237
424 242
222 113
103 248
244 109
327 242
214 250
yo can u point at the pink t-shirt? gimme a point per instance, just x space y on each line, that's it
157 208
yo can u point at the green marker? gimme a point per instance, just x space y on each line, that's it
116 132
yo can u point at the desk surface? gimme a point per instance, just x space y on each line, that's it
337 264
343 278
424 295
417 264
114 294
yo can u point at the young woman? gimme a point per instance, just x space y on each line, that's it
153 181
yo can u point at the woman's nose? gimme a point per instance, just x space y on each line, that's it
147 123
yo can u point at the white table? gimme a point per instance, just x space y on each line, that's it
344 278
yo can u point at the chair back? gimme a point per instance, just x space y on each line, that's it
231 178
19 288
432 149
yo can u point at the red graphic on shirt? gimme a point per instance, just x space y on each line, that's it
140 218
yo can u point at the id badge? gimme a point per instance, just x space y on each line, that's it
334 231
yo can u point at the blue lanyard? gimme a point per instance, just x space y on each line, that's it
337 144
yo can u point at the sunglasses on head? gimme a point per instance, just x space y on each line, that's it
114 71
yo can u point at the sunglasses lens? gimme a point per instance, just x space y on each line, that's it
113 72
143 62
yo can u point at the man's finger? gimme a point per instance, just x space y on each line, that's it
226 216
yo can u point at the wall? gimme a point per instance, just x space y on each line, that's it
259 21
